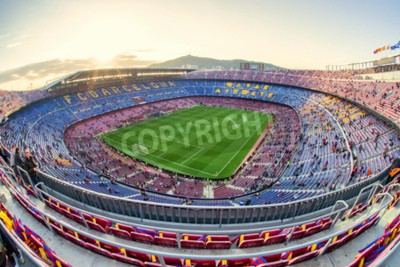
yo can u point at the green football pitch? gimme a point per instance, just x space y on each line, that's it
201 141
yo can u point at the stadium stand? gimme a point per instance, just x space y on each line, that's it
320 148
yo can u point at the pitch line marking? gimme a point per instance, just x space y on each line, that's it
184 166
192 156
238 151
173 162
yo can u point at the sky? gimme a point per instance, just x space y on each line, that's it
41 40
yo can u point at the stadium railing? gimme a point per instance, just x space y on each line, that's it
291 254
208 214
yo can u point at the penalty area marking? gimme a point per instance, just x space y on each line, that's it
238 151
201 149
173 162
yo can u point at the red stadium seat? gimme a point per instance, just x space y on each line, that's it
68 230
218 238
131 261
120 233
87 239
250 240
326 225
365 227
312 230
37 216
51 205
308 225
251 243
76 218
235 263
302 255
279 263
36 241
363 207
167 234
75 240
173 261
273 236
145 231
275 239
297 234
340 242
332 246
191 237
272 258
156 264
218 244
60 262
165 241
249 236
58 209
268 233
362 256
52 201
111 248
56 228
63 211
62 206
143 238
203 263
97 227
138 255
74 211
125 227
98 250
87 217
193 244
323 220
103 222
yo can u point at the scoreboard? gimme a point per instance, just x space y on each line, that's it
251 66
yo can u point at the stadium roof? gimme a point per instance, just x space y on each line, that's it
115 74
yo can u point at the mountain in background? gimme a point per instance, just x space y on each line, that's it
193 62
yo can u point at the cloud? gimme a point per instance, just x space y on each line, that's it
14 40
145 50
129 61
36 75
46 68
12 45
124 58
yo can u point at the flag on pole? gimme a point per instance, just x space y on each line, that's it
387 47
393 47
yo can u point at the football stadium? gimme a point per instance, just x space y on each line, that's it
204 167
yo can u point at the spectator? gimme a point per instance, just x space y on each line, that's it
12 156
17 160
30 166
8 250
3 153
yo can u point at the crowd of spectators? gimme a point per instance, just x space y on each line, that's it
271 160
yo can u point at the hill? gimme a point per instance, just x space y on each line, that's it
206 63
